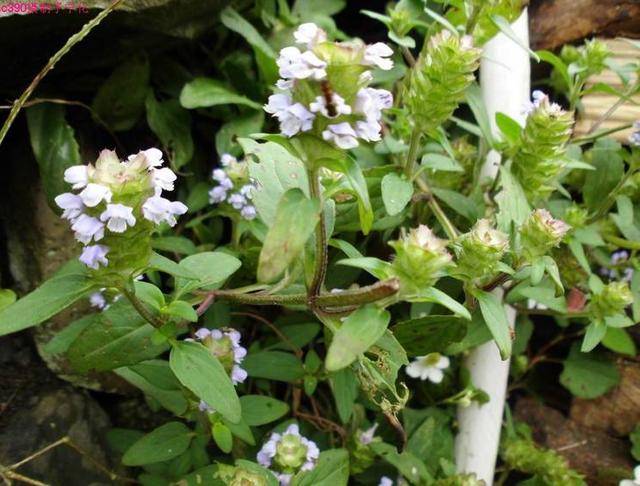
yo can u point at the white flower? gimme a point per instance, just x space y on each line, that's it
337 101
377 55
632 482
205 407
342 134
87 228
385 481
284 479
248 212
77 175
163 178
293 117
97 300
371 101
95 255
285 84
294 64
227 159
238 375
219 175
309 34
247 190
217 195
369 130
153 157
118 217
237 200
72 205
159 209
367 436
94 194
429 367
634 138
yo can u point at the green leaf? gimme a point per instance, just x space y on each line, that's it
396 193
429 334
558 64
476 103
510 128
172 124
202 373
149 294
512 201
376 267
7 297
206 92
440 162
265 56
229 133
350 168
462 205
505 27
433 294
156 380
609 170
276 172
116 337
312 8
261 410
120 100
222 437
624 220
595 332
212 269
358 332
588 375
619 341
183 310
273 365
54 147
164 443
164 264
174 244
496 320
345 391
634 437
295 220
407 464
47 300
332 469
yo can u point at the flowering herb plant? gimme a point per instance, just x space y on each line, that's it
305 312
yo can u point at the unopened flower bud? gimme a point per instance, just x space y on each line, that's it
421 257
438 81
540 232
288 453
612 300
575 216
480 250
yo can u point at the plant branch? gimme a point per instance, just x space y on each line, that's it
363 295
141 308
322 252
71 41
445 222
412 154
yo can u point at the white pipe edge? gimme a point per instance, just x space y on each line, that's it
505 74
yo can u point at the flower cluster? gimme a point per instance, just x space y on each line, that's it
118 201
540 232
430 367
622 270
421 257
225 346
324 89
288 453
233 186
539 155
612 299
480 250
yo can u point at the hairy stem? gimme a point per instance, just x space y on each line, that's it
363 295
414 145
71 41
141 308
322 253
441 216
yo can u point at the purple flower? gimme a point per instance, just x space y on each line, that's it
94 255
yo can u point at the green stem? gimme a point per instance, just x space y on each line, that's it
140 307
322 252
414 145
611 197
363 295
622 243
71 41
439 213
604 133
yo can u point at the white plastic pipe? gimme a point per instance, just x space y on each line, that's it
505 82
